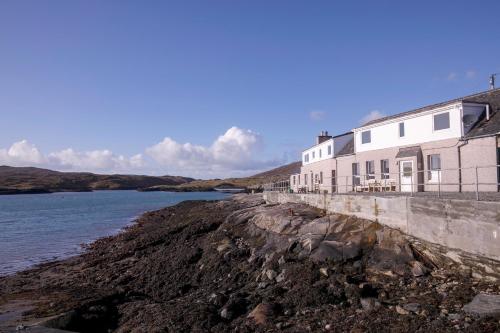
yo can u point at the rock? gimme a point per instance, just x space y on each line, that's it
401 310
484 305
369 303
412 307
324 271
261 313
281 260
224 245
281 276
262 285
418 269
225 313
328 327
454 316
271 274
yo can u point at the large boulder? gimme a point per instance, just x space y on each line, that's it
484 305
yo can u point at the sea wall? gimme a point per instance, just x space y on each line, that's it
466 225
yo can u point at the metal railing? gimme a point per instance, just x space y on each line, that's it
479 183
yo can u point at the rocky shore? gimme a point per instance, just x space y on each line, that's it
240 265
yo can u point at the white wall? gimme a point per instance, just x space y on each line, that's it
324 152
418 129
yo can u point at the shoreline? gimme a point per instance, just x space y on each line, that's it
240 264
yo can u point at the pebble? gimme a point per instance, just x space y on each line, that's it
401 311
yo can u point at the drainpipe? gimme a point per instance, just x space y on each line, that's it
460 164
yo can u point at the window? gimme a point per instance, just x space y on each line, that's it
306 158
298 179
320 153
384 169
329 149
370 169
305 179
441 121
321 177
355 174
313 153
334 181
293 178
366 137
434 167
401 130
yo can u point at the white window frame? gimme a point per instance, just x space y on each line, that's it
433 175
370 134
434 123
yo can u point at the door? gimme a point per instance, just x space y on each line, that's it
406 174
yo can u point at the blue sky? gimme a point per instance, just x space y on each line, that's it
220 88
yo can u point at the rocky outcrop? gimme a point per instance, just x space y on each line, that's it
241 265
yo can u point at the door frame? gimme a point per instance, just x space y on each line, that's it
401 171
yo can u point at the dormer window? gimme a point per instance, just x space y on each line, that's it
313 153
320 153
329 149
441 121
366 137
401 130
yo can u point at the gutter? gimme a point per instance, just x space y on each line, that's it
460 164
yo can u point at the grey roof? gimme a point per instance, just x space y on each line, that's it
409 152
487 127
490 96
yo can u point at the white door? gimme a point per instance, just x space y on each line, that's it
406 174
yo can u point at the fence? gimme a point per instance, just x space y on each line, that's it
480 183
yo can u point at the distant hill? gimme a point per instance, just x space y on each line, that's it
16 180
277 174
36 180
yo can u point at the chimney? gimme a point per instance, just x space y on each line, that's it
492 81
322 137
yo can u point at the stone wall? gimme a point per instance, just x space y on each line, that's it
466 225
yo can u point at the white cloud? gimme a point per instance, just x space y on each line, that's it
470 74
452 76
232 153
373 115
237 152
23 153
317 115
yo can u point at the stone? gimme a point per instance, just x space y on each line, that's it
328 327
483 305
412 307
369 303
271 274
401 310
418 269
324 271
281 276
281 260
225 313
261 313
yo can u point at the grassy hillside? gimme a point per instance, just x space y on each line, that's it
34 180
280 173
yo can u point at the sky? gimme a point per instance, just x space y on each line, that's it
223 88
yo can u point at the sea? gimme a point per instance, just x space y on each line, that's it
37 228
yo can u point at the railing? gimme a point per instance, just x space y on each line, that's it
479 183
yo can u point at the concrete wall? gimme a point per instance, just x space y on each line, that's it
479 153
471 226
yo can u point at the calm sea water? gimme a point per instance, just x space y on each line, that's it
42 227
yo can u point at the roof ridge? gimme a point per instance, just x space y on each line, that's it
429 106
